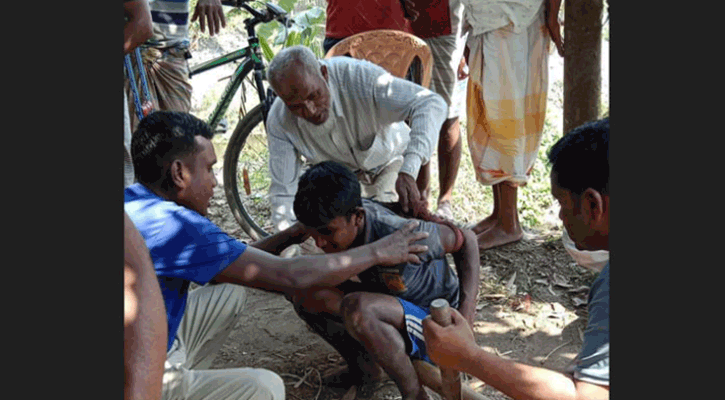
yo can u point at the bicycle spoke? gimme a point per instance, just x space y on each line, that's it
254 159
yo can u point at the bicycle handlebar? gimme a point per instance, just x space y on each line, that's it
234 3
273 12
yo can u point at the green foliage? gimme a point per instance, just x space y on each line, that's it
288 5
267 51
306 31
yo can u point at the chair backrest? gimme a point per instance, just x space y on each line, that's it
402 54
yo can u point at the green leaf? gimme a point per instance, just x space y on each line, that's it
288 5
267 30
293 39
317 15
311 17
281 38
266 49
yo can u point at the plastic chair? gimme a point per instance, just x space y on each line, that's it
402 54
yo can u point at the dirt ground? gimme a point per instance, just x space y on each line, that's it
544 331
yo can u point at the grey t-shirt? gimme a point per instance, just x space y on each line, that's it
419 284
592 363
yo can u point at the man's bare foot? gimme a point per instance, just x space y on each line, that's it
484 225
497 236
444 210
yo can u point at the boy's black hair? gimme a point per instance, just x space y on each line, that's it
580 159
325 191
161 138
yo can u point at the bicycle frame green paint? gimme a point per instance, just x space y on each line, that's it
255 46
244 68
225 59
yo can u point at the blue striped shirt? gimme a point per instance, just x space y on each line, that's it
170 22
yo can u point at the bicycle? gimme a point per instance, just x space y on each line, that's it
250 126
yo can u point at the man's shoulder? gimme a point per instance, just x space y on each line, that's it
343 68
384 221
162 221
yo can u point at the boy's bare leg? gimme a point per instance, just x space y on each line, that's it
378 322
320 309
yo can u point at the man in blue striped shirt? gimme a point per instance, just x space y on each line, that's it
165 55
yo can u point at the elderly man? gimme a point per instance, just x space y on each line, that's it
580 183
352 112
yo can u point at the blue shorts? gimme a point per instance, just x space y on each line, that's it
415 343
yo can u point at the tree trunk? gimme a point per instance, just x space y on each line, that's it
582 61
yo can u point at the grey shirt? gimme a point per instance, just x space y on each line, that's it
592 363
419 284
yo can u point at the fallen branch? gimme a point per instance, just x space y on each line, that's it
552 352
302 379
319 390
294 376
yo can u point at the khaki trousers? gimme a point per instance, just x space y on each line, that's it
210 315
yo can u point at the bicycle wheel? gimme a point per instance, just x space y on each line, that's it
246 175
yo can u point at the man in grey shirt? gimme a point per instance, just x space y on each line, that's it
352 112
580 183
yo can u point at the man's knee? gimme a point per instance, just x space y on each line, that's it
269 382
233 297
235 383
225 300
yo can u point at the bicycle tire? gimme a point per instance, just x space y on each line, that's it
235 198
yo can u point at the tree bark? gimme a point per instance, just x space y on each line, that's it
582 61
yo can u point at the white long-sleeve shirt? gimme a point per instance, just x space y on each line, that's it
364 130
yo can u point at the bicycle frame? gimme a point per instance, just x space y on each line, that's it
251 59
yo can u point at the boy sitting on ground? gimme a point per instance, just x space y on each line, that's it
375 321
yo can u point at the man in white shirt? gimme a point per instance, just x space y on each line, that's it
352 112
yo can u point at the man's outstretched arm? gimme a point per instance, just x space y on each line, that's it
144 320
454 347
276 243
259 269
